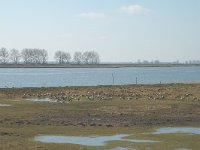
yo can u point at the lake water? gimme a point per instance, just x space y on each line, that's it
50 77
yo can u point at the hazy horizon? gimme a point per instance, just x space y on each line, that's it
119 30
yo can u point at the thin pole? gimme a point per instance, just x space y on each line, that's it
136 80
113 78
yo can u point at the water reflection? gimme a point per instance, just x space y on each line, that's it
188 130
4 105
183 149
103 140
88 141
122 148
42 100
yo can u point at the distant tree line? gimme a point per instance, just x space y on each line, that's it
88 57
156 62
40 56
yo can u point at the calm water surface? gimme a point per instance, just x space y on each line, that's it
103 140
89 141
42 100
178 130
49 77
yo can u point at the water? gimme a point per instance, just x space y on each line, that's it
4 105
102 140
188 130
50 77
88 141
42 100
183 149
122 148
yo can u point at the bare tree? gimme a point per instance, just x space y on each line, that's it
26 55
86 57
4 55
14 56
78 57
157 62
91 57
66 57
62 57
94 57
44 56
58 57
34 56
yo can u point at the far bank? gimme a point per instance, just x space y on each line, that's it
116 65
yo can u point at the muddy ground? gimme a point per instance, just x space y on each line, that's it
109 106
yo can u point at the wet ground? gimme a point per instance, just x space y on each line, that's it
112 105
102 111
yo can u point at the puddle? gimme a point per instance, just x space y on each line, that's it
122 148
4 105
188 130
88 141
42 100
182 149
102 140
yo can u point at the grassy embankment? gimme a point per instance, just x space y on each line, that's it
117 113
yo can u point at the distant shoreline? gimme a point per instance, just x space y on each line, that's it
93 65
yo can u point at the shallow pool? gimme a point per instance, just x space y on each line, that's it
122 148
186 130
4 105
42 100
88 141
103 140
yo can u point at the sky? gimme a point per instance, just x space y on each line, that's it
119 30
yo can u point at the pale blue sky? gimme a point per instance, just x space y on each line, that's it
120 30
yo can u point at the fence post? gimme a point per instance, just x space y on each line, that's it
113 78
